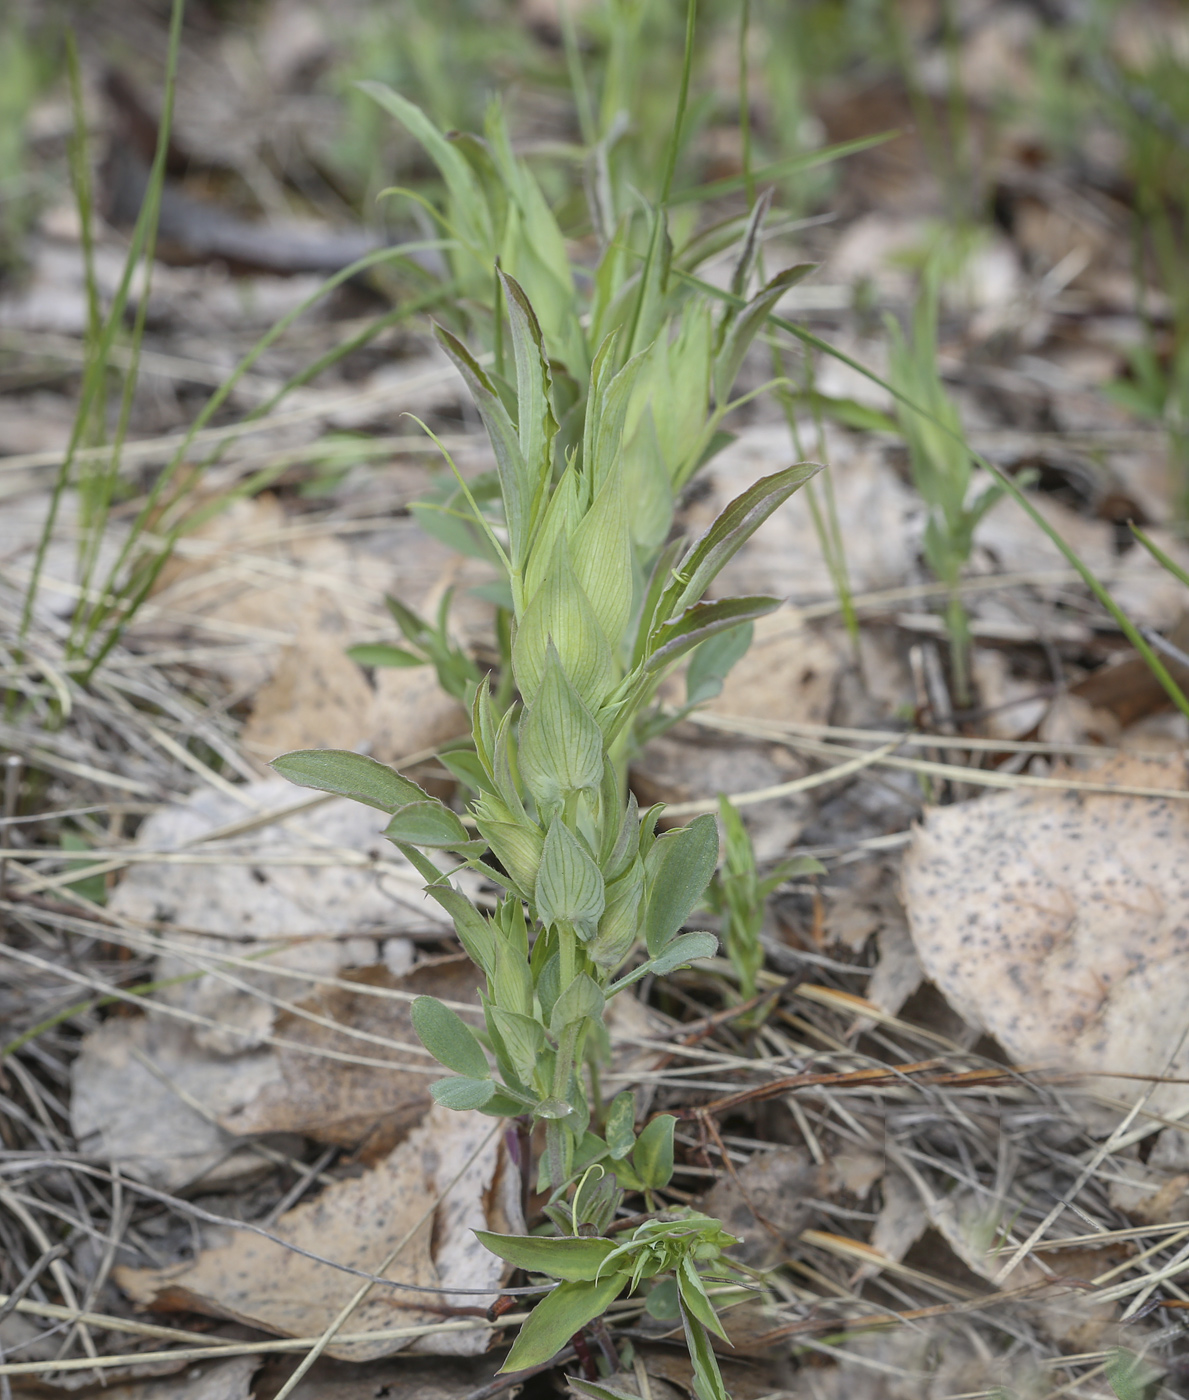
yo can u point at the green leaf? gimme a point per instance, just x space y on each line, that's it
712 659
620 1128
561 744
569 886
561 613
574 1260
652 1156
473 929
733 528
448 1038
598 1392
701 621
664 1301
524 1039
747 324
514 472
502 1105
383 654
467 767
693 1297
707 1377
349 775
558 1316
470 208
463 1093
534 410
518 845
602 553
582 1000
1130 1376
678 867
688 948
512 985
619 926
427 823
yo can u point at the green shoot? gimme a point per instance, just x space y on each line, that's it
738 895
941 468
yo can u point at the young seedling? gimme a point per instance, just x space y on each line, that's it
586 879
738 895
941 466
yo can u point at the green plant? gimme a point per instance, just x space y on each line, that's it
941 464
586 879
737 895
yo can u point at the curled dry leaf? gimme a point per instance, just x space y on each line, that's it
1059 922
359 1222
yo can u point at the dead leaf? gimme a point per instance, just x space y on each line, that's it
1059 922
411 712
359 1222
351 1105
139 1088
788 673
337 914
409 1378
897 973
222 1380
902 1219
766 1203
317 697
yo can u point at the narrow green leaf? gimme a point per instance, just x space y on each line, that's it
473 929
700 622
513 471
569 886
573 1260
682 951
349 775
678 867
383 654
620 1128
558 1316
534 385
561 745
693 1297
470 208
733 528
463 1093
448 1038
652 1155
707 1377
427 823
747 324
